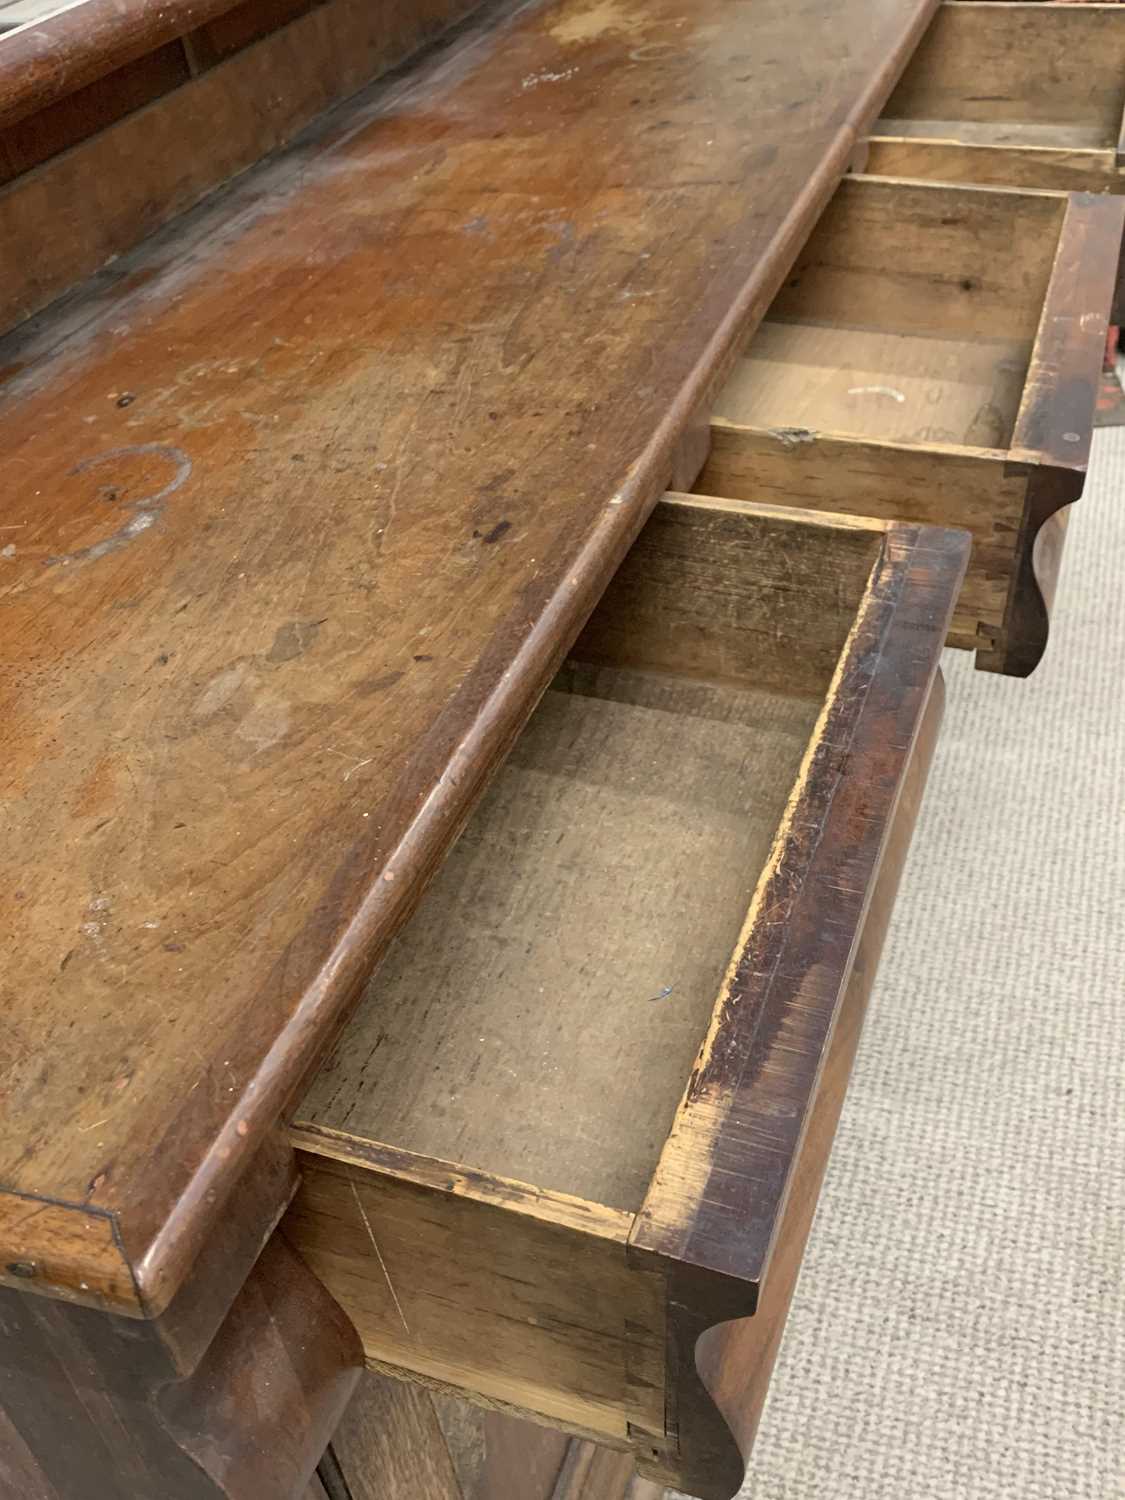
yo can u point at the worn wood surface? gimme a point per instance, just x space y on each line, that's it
75 46
304 516
894 387
567 943
714 1212
754 597
521 1296
399 1442
1013 164
1058 66
854 396
389 1444
79 1420
561 1306
926 260
1055 422
495 1455
1018 95
735 1360
935 483
117 182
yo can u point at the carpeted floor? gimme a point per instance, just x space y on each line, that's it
959 1328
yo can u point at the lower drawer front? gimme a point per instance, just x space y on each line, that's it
1014 95
556 1144
934 356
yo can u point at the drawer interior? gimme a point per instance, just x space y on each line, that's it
557 1140
551 993
1015 75
909 317
538 1017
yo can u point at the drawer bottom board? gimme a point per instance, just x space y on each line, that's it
868 383
570 949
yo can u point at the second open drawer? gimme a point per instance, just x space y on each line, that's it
581 1115
1017 95
934 356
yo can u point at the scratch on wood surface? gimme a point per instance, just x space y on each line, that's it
379 1256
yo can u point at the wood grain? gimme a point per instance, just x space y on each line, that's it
735 1360
577 945
1011 164
864 402
1060 66
755 597
514 1294
252 1418
716 1205
397 1442
926 259
933 483
495 1455
389 1445
115 185
1010 94
363 450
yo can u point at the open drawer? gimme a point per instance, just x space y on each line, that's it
581 1114
934 356
1025 95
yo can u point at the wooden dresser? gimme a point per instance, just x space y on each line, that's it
484 493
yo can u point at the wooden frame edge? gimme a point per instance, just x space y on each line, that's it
721 1190
1054 425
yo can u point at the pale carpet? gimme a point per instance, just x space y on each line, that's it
959 1329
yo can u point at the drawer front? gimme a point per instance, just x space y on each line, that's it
1014 95
934 356
557 1143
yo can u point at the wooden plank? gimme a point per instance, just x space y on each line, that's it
756 597
927 259
389 1445
518 1296
153 164
735 1360
593 1473
393 1449
1055 65
66 51
504 1044
1009 165
496 1456
364 447
716 1205
891 386
936 484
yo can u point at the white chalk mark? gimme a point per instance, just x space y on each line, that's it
147 509
877 390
